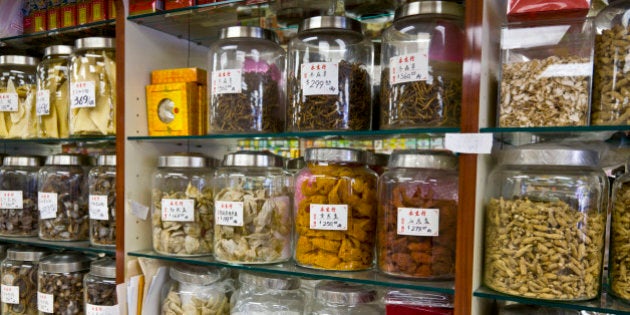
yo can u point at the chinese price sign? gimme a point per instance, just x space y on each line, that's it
8 102
320 78
227 81
45 302
47 205
11 199
418 222
82 94
329 217
42 103
178 210
98 207
409 68
10 294
91 309
228 213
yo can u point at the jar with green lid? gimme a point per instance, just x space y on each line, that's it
18 196
102 201
93 87
100 288
267 294
619 252
198 290
252 209
335 297
53 92
182 206
19 280
60 283
17 96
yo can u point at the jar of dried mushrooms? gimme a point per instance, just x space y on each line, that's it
100 288
18 196
267 294
421 56
60 284
335 206
198 290
335 297
545 223
93 87
19 280
619 259
52 100
329 83
17 96
102 201
182 206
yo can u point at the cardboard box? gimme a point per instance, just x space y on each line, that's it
172 109
53 18
145 6
179 75
111 9
69 15
84 12
98 10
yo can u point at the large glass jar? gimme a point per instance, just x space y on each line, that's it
53 92
18 196
60 284
417 215
19 280
409 302
100 288
337 298
17 96
545 223
93 87
182 207
267 294
63 198
421 59
329 82
197 290
102 201
335 210
247 87
619 259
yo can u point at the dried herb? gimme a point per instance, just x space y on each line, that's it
101 293
620 243
103 183
25 278
24 221
67 289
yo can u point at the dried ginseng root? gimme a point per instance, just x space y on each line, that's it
619 265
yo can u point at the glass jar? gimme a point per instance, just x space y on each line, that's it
338 191
182 206
377 162
619 254
60 283
247 90
18 196
417 212
52 92
409 302
421 59
267 294
17 96
341 298
329 76
252 209
545 223
197 290
19 280
100 288
102 201
63 198
93 87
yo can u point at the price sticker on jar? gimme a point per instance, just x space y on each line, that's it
329 217
11 199
98 207
10 294
47 205
227 81
320 78
418 222
45 302
42 103
82 94
91 309
410 67
9 102
229 213
178 210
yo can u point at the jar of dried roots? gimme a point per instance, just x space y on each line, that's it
19 280
60 283
18 196
619 259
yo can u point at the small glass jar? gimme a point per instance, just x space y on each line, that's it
619 254
63 198
267 294
102 201
252 209
247 90
197 290
19 280
93 87
182 206
409 302
545 223
335 210
329 81
421 58
335 297
18 196
100 288
53 92
60 284
17 96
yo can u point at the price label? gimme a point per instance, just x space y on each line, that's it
45 302
91 309
42 103
320 78
228 213
250 312
10 294
329 217
98 207
227 81
11 199
179 210
47 204
8 102
418 222
410 67
82 94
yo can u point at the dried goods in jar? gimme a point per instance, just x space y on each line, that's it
20 123
101 294
213 304
54 86
25 279
67 291
102 185
15 221
619 272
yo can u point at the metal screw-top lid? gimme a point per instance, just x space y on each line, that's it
182 160
343 293
62 263
253 158
106 160
21 161
58 50
67 159
430 8
270 281
545 155
95 42
296 164
26 254
17 60
330 22
249 32
199 275
105 268
423 159
335 155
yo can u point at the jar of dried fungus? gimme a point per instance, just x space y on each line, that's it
619 259
17 96
335 210
60 284
267 294
18 196
102 201
100 288
545 223
334 297
53 88
198 290
252 209
19 280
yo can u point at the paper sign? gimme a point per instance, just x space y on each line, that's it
418 222
11 199
42 103
98 207
8 102
10 294
45 302
227 81
228 213
47 205
138 210
178 210
91 309
411 67
474 143
320 78
568 70
82 94
329 217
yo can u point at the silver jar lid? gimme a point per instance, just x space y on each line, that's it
270 281
199 275
423 159
26 254
430 8
106 160
253 158
330 22
335 155
17 60
58 50
343 293
95 42
182 160
549 156
62 263
67 159
249 32
21 161
105 268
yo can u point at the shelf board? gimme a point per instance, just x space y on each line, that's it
81 246
524 135
370 277
58 140
567 129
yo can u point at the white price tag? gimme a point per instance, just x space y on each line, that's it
98 207
42 103
91 309
411 67
227 81
45 302
473 143
179 210
47 205
139 210
11 199
82 94
10 294
418 222
568 70
320 78
329 217
9 102
228 213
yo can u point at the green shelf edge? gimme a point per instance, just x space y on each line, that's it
83 246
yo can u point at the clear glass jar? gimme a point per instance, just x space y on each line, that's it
182 206
247 87
252 209
545 223
93 87
197 290
417 212
267 294
329 81
102 201
100 288
19 280
421 60
339 191
17 96
60 284
341 298
18 196
53 92
409 302
619 253
63 198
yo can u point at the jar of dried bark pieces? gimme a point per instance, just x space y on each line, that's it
408 302
335 210
182 206
619 259
93 87
19 280
51 105
60 283
545 223
335 297
100 288
421 56
417 215
17 96
267 294
102 201
18 196
198 290
247 88
329 83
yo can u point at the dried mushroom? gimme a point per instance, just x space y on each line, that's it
101 294
103 232
26 280
619 273
67 289
203 304
20 222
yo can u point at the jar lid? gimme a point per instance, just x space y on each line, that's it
67 159
330 21
335 155
545 155
21 161
338 292
106 160
249 32
58 50
430 7
269 281
17 60
182 160
419 298
62 263
95 42
253 158
378 159
26 254
105 268
423 159
199 275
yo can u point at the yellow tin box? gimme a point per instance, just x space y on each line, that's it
173 109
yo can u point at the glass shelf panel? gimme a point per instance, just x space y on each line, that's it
59 140
81 246
524 135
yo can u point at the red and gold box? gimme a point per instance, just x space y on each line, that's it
53 15
205 1
83 12
68 13
176 4
145 6
98 10
35 22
